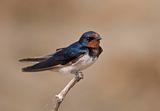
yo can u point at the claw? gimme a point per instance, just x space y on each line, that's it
79 76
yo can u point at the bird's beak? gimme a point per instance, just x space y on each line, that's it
98 38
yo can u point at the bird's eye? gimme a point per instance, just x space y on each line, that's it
90 38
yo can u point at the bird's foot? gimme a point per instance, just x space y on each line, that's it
79 76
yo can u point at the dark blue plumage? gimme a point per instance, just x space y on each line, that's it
74 55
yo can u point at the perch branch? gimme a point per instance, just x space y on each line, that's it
60 97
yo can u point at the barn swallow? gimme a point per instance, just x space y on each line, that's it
72 59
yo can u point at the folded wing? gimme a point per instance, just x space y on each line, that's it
61 57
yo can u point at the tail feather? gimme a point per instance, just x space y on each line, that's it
41 66
30 69
44 63
34 69
27 69
32 59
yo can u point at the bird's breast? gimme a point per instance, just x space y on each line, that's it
82 63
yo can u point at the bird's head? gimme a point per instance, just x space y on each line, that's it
90 39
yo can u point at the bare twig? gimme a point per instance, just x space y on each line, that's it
60 97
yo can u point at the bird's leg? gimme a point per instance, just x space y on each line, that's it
79 76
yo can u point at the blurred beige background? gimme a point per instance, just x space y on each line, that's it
125 78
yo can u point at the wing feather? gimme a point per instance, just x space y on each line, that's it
61 57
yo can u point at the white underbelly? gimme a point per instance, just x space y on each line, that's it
83 63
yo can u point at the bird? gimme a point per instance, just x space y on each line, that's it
71 59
